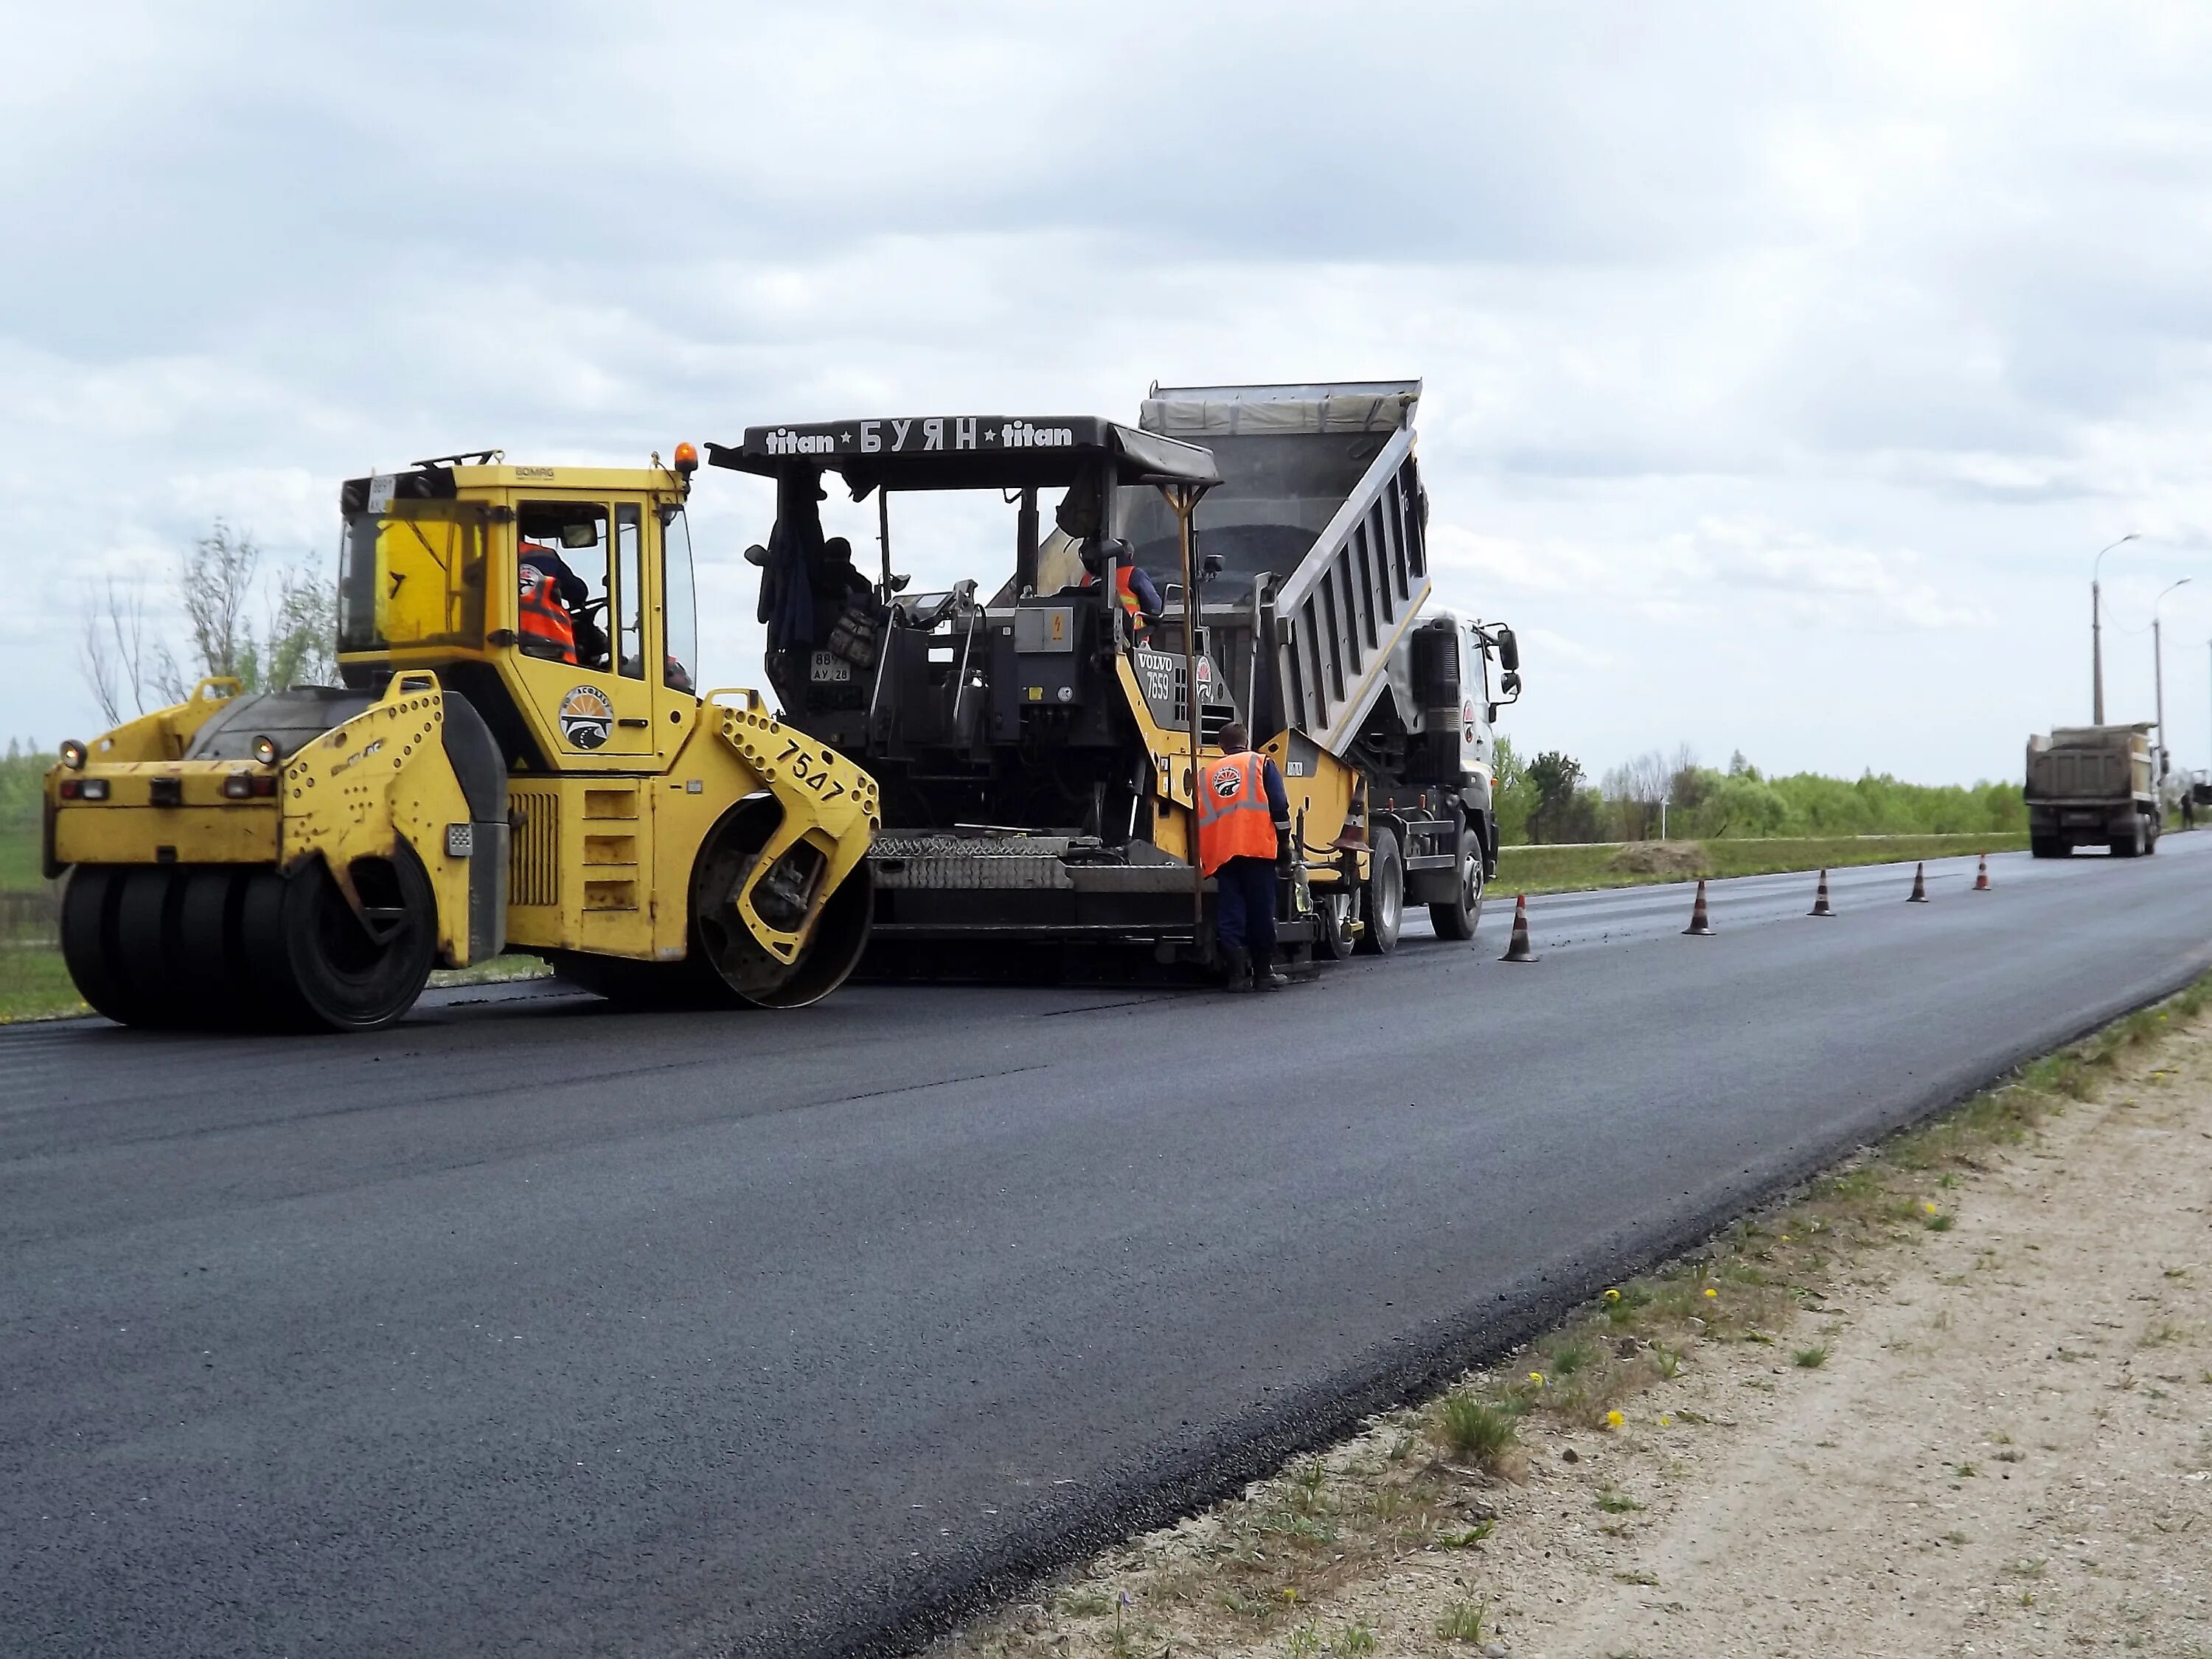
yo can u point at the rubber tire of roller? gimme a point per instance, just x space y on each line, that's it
293 928
1386 896
210 960
1459 919
145 936
88 945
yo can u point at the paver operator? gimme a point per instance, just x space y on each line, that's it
1243 832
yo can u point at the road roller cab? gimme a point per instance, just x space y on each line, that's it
518 758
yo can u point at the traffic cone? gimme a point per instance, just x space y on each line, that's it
1982 876
1919 885
1701 925
1821 899
1518 951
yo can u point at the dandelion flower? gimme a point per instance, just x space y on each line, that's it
1289 1595
1665 1421
1785 1238
1536 1379
1614 1420
1612 1295
1710 1291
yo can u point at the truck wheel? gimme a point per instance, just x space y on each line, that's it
1459 918
319 966
1385 897
2131 845
2048 846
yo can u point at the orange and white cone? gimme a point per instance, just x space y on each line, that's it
1518 951
1982 876
1821 899
1701 925
1919 895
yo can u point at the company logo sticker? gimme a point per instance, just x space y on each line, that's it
587 718
1228 781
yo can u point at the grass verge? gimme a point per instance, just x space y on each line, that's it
1424 1482
1636 864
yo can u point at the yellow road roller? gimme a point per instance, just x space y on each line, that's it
517 759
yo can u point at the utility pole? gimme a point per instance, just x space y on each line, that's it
2157 674
2097 635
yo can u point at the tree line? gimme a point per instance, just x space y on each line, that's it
1548 799
265 626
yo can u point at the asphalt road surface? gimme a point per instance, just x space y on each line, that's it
530 1328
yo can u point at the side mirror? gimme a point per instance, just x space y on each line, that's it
1509 684
756 554
898 583
1509 650
1210 563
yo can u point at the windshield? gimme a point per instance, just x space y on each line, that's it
412 573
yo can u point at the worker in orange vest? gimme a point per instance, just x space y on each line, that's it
1243 830
542 622
1135 590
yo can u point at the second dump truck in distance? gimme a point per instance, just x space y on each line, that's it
2093 786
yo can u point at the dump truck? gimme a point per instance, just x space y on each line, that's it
1035 732
2093 786
303 858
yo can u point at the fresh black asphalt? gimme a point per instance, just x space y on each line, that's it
531 1327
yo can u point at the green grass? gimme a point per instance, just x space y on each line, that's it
34 984
1476 1429
1567 869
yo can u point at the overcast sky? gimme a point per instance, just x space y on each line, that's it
1785 366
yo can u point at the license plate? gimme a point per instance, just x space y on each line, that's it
830 669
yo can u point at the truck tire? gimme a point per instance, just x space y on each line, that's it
1384 896
2048 846
318 967
2129 846
1458 919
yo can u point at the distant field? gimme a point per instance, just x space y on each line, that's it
1635 864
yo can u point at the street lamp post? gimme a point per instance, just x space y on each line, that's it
2097 635
2158 677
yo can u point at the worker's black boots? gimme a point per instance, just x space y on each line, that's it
1242 975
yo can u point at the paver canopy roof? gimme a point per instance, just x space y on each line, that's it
967 452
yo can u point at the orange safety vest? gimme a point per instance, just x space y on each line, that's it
1233 819
543 620
1125 591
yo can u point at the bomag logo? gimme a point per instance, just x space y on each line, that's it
587 718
